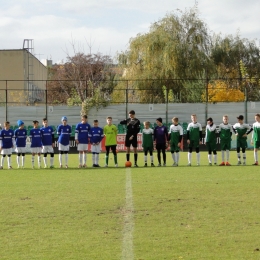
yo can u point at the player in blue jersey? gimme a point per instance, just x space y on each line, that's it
82 139
6 144
64 132
20 135
161 140
47 142
36 142
96 135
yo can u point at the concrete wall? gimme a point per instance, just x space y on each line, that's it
17 67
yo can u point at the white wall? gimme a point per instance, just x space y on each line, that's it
143 112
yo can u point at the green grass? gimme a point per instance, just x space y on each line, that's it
205 212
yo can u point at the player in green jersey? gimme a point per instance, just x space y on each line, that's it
194 138
175 138
256 137
110 132
211 140
241 130
147 142
225 133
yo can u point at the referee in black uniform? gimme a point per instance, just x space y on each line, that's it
132 129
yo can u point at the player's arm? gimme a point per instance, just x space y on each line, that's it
234 129
166 135
137 128
1 144
13 141
101 135
181 135
154 136
58 131
30 136
188 136
77 134
123 122
249 129
252 136
52 138
200 134
90 136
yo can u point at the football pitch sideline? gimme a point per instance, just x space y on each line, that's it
198 212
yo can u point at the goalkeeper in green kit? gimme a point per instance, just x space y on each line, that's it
110 131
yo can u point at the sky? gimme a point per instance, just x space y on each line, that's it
62 27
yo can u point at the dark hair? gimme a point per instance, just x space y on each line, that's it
45 119
35 121
131 112
85 116
210 119
95 121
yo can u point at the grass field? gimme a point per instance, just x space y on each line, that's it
205 212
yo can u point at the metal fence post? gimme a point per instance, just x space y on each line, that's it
46 101
166 105
245 103
126 100
6 114
207 97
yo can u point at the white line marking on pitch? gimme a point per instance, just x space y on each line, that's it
127 247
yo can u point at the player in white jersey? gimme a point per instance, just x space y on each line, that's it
194 138
211 140
256 137
147 142
225 133
241 130
175 138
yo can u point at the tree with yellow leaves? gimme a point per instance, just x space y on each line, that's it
219 91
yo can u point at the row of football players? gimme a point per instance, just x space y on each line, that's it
42 140
173 137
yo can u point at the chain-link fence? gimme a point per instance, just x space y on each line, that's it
40 96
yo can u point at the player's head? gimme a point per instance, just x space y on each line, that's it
6 125
146 124
95 123
240 119
225 119
131 113
159 121
194 118
84 119
45 122
20 124
64 120
175 120
209 121
257 117
35 123
109 120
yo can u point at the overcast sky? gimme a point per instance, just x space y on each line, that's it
107 25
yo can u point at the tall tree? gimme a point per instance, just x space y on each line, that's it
227 53
176 47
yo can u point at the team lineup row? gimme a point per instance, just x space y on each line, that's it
42 141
